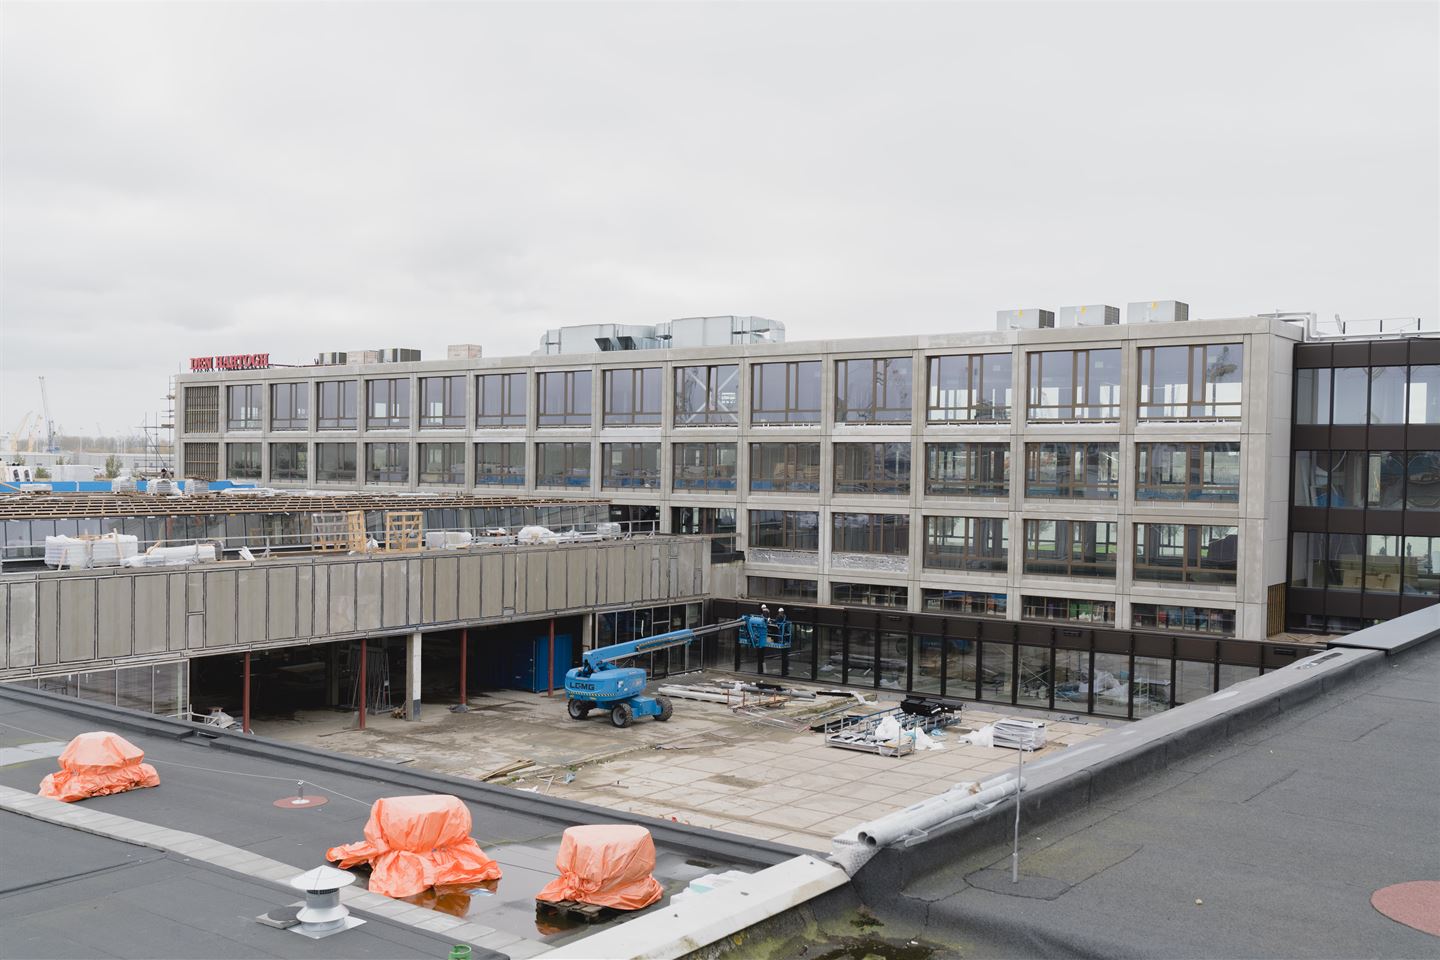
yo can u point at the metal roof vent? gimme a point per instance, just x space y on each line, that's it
1024 320
1090 315
1157 311
323 914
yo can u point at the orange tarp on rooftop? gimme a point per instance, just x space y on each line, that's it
605 864
97 763
414 843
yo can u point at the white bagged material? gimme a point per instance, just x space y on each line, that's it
447 539
923 741
174 556
1018 734
83 552
984 737
535 534
887 731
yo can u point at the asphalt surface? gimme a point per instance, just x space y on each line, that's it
1268 845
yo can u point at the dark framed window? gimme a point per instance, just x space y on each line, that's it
873 391
630 466
1158 616
1186 553
1191 382
335 463
290 461
387 404
564 399
717 523
387 463
969 602
562 465
967 469
442 463
442 402
967 543
707 396
883 533
335 402
242 461
1367 479
1424 394
1351 392
1312 396
1187 471
242 406
202 409
632 397
704 466
869 595
500 464
785 392
1420 575
969 388
1072 548
781 588
1074 385
1422 480
1076 471
202 460
872 468
1068 609
784 467
785 530
289 406
500 400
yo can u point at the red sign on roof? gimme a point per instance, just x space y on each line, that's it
234 361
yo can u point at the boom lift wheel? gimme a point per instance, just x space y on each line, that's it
579 709
621 715
667 709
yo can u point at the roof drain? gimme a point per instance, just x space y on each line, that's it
323 914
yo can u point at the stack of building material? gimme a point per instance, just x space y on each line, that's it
173 556
447 539
1017 734
77 553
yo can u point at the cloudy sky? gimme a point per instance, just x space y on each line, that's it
205 178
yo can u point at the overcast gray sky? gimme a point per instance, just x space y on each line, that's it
196 179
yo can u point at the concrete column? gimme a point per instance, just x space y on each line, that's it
412 676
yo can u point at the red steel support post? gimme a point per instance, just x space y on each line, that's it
464 642
245 698
364 679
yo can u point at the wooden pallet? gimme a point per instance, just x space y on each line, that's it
575 910
403 530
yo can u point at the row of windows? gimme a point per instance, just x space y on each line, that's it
1367 479
1184 382
1350 396
1353 562
1164 471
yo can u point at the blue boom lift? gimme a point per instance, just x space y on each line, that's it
600 683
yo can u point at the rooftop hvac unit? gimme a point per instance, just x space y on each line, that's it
1157 311
1024 320
332 359
1091 315
398 355
462 351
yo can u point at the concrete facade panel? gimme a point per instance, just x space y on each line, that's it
252 599
175 603
281 610
152 613
304 600
394 604
77 620
557 581
219 608
445 586
5 628
536 585
427 589
578 580
48 622
467 572
365 595
414 587
116 625
491 591
507 581
20 620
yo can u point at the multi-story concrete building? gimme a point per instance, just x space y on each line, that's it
1134 475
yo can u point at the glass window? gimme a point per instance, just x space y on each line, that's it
242 404
564 399
707 396
442 402
969 602
1312 396
704 466
782 588
883 533
1387 394
1187 553
500 464
1034 689
969 388
290 406
387 403
872 468
1422 484
928 655
336 404
1079 471
1382 564
1074 385
996 672
202 461
562 465
717 523
873 391
967 543
632 397
1208 620
1345 562
1421 574
1385 488
1424 395
387 463
785 530
630 466
1071 548
1200 381
1151 686
1307 560
785 392
202 409
784 467
1312 480
289 461
442 463
1111 684
242 461
1188 471
1348 473
869 595
1193 681
1231 674
1352 392
334 463
1065 608
967 469
500 400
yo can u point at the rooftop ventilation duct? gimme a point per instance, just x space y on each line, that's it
1024 320
1157 311
323 914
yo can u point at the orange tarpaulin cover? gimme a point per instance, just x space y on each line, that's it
97 763
605 864
413 843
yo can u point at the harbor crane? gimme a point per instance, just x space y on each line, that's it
51 446
601 683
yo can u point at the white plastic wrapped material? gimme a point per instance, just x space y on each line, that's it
924 742
537 535
174 556
984 737
447 539
609 531
1019 734
83 552
887 731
